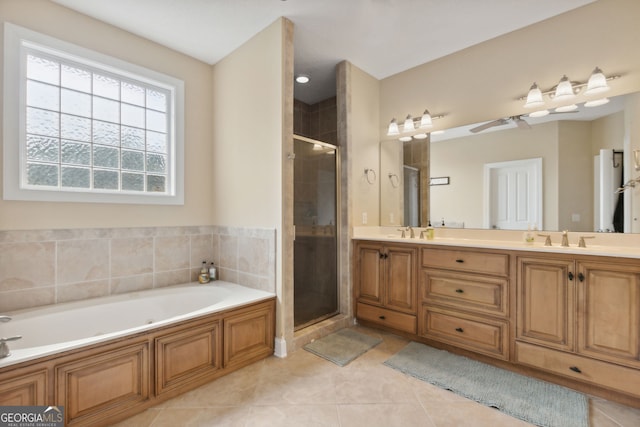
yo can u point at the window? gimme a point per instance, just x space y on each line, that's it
87 127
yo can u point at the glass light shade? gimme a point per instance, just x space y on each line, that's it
564 90
303 78
404 138
596 102
566 108
539 113
393 128
534 97
420 136
408 124
597 83
425 121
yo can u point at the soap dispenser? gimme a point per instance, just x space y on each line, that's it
203 277
430 231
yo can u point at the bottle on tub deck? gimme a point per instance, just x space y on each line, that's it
213 272
203 277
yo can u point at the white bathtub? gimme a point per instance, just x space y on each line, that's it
52 329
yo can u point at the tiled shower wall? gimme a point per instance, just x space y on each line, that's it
42 267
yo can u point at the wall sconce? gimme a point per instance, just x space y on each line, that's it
566 91
411 125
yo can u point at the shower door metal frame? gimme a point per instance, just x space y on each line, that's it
337 231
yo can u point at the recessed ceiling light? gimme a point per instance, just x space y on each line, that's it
303 78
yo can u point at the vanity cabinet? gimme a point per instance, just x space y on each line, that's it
386 284
464 299
580 317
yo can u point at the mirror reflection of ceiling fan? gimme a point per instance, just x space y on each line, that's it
518 120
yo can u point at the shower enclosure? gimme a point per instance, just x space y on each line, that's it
316 237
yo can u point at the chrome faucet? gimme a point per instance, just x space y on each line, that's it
565 239
412 233
402 234
547 240
4 348
581 243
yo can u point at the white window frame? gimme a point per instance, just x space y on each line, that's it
14 135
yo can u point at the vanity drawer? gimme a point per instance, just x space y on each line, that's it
483 294
478 334
472 261
616 377
382 316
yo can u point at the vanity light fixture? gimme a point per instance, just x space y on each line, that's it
567 90
411 125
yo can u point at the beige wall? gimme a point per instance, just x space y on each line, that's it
608 132
59 22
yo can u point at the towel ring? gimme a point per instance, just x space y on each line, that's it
368 173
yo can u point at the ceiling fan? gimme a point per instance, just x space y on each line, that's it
518 120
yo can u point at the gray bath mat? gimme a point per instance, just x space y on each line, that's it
537 402
343 346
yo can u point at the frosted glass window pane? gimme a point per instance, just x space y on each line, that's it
43 148
156 100
42 174
43 70
76 78
106 86
106 180
76 153
106 109
133 94
133 160
41 122
106 157
156 183
156 121
156 142
106 133
132 138
156 163
132 181
76 177
77 128
132 115
43 95
77 103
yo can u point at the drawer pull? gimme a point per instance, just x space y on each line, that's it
381 317
460 291
459 330
460 261
575 369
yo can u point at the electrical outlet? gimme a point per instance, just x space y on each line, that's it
364 218
575 217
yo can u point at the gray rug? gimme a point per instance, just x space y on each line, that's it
537 402
343 346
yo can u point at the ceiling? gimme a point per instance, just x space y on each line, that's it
381 37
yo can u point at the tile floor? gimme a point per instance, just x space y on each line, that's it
305 390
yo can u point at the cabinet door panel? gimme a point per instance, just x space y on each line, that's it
25 390
546 302
248 336
369 284
609 310
401 279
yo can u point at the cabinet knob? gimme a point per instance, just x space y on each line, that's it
459 330
575 369
570 275
460 261
381 317
581 277
460 291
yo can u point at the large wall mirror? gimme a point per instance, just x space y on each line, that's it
558 172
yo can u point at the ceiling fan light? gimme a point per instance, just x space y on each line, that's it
425 121
420 136
566 108
539 113
534 97
404 139
393 128
408 124
564 90
596 102
597 83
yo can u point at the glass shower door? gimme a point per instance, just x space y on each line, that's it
315 246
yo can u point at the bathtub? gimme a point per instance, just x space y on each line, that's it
53 329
